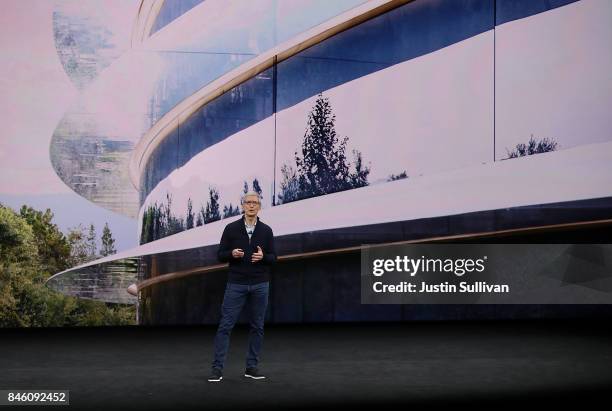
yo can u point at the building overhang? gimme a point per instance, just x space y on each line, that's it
169 122
531 181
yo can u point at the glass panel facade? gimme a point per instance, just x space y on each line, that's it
235 110
405 33
187 63
237 127
297 16
382 83
171 10
385 42
210 39
184 73
327 289
553 78
103 282
365 107
426 90
508 10
163 160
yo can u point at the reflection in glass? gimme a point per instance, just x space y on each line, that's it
390 98
171 10
224 149
402 34
538 111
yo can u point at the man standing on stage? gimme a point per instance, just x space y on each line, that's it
248 245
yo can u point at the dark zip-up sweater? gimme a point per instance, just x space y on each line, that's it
242 270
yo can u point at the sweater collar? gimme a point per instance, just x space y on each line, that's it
244 220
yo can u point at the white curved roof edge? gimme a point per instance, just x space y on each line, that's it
578 173
188 106
147 13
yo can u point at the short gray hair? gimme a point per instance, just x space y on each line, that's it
250 193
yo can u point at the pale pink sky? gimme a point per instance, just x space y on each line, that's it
34 94
435 113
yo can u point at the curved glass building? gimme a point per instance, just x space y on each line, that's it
359 122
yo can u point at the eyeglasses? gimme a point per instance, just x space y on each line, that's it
251 203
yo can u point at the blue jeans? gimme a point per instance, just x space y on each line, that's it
236 295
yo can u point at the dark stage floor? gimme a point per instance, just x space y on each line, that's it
434 363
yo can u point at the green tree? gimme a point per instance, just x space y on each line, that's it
52 244
92 247
189 214
257 187
158 221
399 176
358 178
150 220
27 239
289 188
229 211
169 224
79 247
19 266
146 229
322 167
108 242
89 313
212 206
166 216
532 147
24 299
